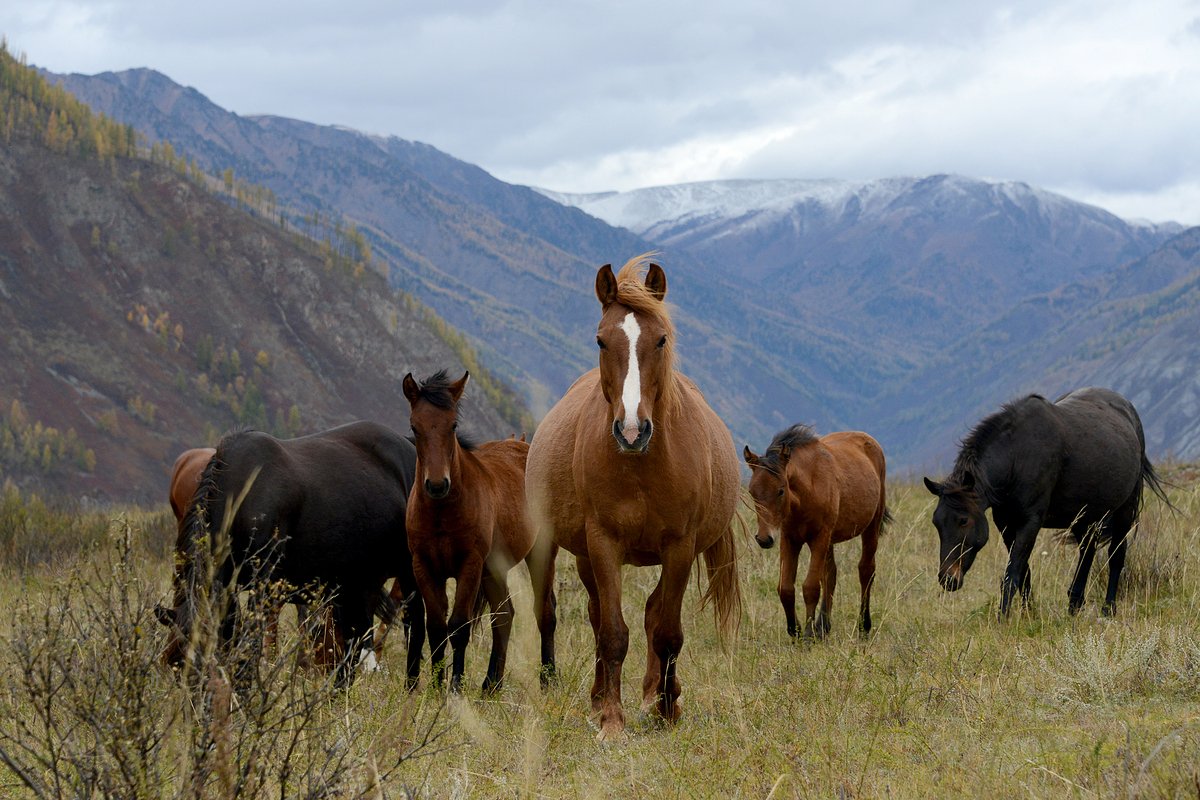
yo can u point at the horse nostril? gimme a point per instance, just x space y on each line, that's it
437 490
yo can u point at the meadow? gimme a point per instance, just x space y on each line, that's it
941 700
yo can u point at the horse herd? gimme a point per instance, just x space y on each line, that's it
631 467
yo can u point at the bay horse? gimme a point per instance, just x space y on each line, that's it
1078 463
467 520
326 509
631 466
819 491
185 478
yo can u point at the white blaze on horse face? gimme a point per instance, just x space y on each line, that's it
631 392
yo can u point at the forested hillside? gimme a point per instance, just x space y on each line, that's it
147 309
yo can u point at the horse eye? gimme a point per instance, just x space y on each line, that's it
600 344
454 427
962 522
779 493
662 342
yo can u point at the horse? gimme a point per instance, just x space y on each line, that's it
185 478
819 491
467 520
1078 463
326 509
631 466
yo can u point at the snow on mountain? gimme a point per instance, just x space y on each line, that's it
655 211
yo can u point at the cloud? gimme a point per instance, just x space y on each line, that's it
1104 95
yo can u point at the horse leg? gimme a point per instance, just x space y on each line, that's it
825 610
1118 526
1017 576
466 591
415 609
433 594
613 641
545 604
495 589
866 575
653 679
668 633
789 555
818 553
584 567
353 619
1084 530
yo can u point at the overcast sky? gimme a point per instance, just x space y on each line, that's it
1097 99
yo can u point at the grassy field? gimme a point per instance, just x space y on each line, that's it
942 700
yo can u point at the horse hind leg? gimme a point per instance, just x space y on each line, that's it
545 603
866 576
584 567
651 682
1084 531
495 589
1117 530
828 586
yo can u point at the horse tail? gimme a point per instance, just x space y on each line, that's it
724 589
1157 485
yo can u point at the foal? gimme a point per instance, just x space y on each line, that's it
467 521
819 490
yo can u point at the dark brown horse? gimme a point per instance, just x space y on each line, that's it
819 491
467 520
326 509
185 478
631 466
1078 463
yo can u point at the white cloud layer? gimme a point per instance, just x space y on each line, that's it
1097 99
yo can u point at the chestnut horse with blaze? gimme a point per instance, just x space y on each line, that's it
819 491
467 520
631 466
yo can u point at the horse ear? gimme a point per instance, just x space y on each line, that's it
606 285
456 388
968 480
656 281
411 390
934 487
164 615
748 454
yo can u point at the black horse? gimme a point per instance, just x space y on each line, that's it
1078 463
326 510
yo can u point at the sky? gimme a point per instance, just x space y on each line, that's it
1096 99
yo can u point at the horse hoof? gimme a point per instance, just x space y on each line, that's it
1108 610
612 732
491 687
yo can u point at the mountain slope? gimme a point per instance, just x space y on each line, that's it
145 315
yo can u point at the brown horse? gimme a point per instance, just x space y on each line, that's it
185 478
819 490
467 520
631 466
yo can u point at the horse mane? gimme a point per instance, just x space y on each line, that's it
634 295
435 390
975 443
788 439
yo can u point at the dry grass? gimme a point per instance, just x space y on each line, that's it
942 700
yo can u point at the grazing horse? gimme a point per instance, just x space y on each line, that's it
185 478
1078 463
326 509
631 466
467 520
819 490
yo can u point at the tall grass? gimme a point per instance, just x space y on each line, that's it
942 700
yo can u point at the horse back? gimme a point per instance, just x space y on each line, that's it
840 478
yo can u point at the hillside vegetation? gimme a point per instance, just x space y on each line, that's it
943 700
148 307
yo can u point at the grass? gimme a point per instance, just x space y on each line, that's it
942 700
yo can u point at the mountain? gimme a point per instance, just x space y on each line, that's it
144 315
895 259
841 304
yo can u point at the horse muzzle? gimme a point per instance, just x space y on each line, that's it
438 490
951 579
765 540
639 442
